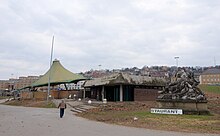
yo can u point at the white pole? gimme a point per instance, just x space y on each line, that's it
121 93
99 67
51 57
103 91
214 61
176 61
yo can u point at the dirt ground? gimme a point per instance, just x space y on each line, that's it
137 114
213 102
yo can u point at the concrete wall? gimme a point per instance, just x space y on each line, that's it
145 94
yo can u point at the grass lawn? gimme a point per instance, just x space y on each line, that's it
210 88
4 97
32 103
123 113
184 123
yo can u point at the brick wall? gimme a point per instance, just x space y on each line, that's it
40 95
54 94
26 95
145 94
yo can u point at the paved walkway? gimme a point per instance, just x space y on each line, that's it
4 100
27 121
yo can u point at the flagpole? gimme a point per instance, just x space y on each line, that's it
51 57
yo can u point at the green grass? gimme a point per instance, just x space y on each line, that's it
49 105
4 97
186 123
30 103
210 88
145 114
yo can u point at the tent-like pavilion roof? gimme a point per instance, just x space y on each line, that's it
58 75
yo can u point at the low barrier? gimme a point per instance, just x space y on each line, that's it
54 95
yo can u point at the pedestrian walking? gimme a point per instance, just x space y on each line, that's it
62 107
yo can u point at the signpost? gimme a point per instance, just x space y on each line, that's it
167 111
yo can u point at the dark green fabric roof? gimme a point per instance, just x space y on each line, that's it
58 75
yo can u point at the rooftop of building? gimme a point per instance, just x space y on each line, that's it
211 71
124 78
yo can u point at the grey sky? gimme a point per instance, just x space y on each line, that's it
113 33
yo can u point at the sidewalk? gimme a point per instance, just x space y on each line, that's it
3 100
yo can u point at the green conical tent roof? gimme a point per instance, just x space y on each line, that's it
58 75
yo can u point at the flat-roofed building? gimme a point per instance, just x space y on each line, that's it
210 76
25 81
4 84
14 83
124 87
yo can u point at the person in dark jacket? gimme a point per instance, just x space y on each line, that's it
62 107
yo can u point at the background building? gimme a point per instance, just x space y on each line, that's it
25 81
4 84
14 83
210 76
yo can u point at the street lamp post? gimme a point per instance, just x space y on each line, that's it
51 57
99 67
12 82
176 58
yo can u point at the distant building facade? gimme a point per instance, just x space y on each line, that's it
14 83
26 81
210 76
4 84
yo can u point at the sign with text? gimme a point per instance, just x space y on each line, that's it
166 111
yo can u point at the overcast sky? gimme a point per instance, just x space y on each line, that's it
111 33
